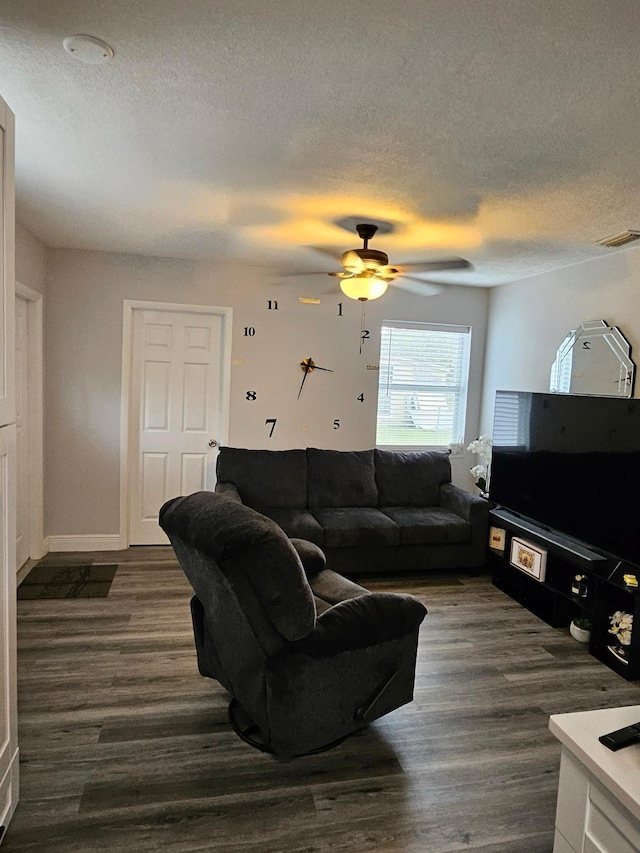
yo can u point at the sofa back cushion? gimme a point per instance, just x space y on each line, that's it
410 479
341 478
265 478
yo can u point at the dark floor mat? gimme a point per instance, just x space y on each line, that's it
84 581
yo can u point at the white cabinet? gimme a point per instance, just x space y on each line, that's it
8 705
599 790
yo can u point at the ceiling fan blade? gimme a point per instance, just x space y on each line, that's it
418 286
434 266
300 273
352 262
387 273
333 252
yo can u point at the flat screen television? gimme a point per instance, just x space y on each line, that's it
571 464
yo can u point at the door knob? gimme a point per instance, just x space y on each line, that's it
213 442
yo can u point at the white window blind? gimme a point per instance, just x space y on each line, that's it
422 390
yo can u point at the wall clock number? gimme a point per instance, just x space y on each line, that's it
272 304
336 423
586 345
271 421
361 398
249 331
339 309
364 335
251 395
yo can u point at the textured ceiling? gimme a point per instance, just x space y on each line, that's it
505 131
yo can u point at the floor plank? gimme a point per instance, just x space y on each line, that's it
124 747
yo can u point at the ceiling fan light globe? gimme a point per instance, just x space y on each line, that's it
363 287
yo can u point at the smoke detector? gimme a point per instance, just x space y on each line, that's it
88 49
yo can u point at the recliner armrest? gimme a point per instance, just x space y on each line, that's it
312 558
361 622
229 490
472 508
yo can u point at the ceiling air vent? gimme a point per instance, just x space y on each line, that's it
620 239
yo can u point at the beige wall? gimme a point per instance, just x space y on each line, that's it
30 260
529 319
85 293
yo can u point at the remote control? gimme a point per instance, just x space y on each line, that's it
622 737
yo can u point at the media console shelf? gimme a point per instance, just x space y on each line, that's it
601 590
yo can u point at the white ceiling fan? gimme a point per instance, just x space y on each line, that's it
366 272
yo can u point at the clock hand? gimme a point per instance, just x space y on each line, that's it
328 369
307 367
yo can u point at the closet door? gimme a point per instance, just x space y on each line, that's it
8 702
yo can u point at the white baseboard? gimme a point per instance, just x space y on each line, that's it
88 542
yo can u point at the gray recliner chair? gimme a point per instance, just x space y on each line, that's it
308 656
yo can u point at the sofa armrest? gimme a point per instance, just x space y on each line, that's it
362 622
472 508
229 490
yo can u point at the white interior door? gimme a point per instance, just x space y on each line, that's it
176 410
22 433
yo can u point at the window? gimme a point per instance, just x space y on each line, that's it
422 390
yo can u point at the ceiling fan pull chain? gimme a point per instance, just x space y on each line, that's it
363 317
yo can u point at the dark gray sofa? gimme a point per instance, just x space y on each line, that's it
369 510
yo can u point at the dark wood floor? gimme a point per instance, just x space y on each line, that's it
124 747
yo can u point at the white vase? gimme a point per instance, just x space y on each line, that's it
579 634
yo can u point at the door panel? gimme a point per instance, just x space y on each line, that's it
175 411
194 473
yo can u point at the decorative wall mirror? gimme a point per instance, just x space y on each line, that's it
594 359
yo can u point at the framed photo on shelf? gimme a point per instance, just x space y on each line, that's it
529 558
497 538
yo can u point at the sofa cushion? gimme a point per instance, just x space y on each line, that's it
429 525
339 478
410 479
273 478
348 527
296 523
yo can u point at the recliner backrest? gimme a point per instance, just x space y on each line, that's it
254 554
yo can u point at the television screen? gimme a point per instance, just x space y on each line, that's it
570 463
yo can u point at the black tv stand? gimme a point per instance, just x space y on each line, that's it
602 589
553 538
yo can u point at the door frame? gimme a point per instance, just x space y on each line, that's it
128 308
35 434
